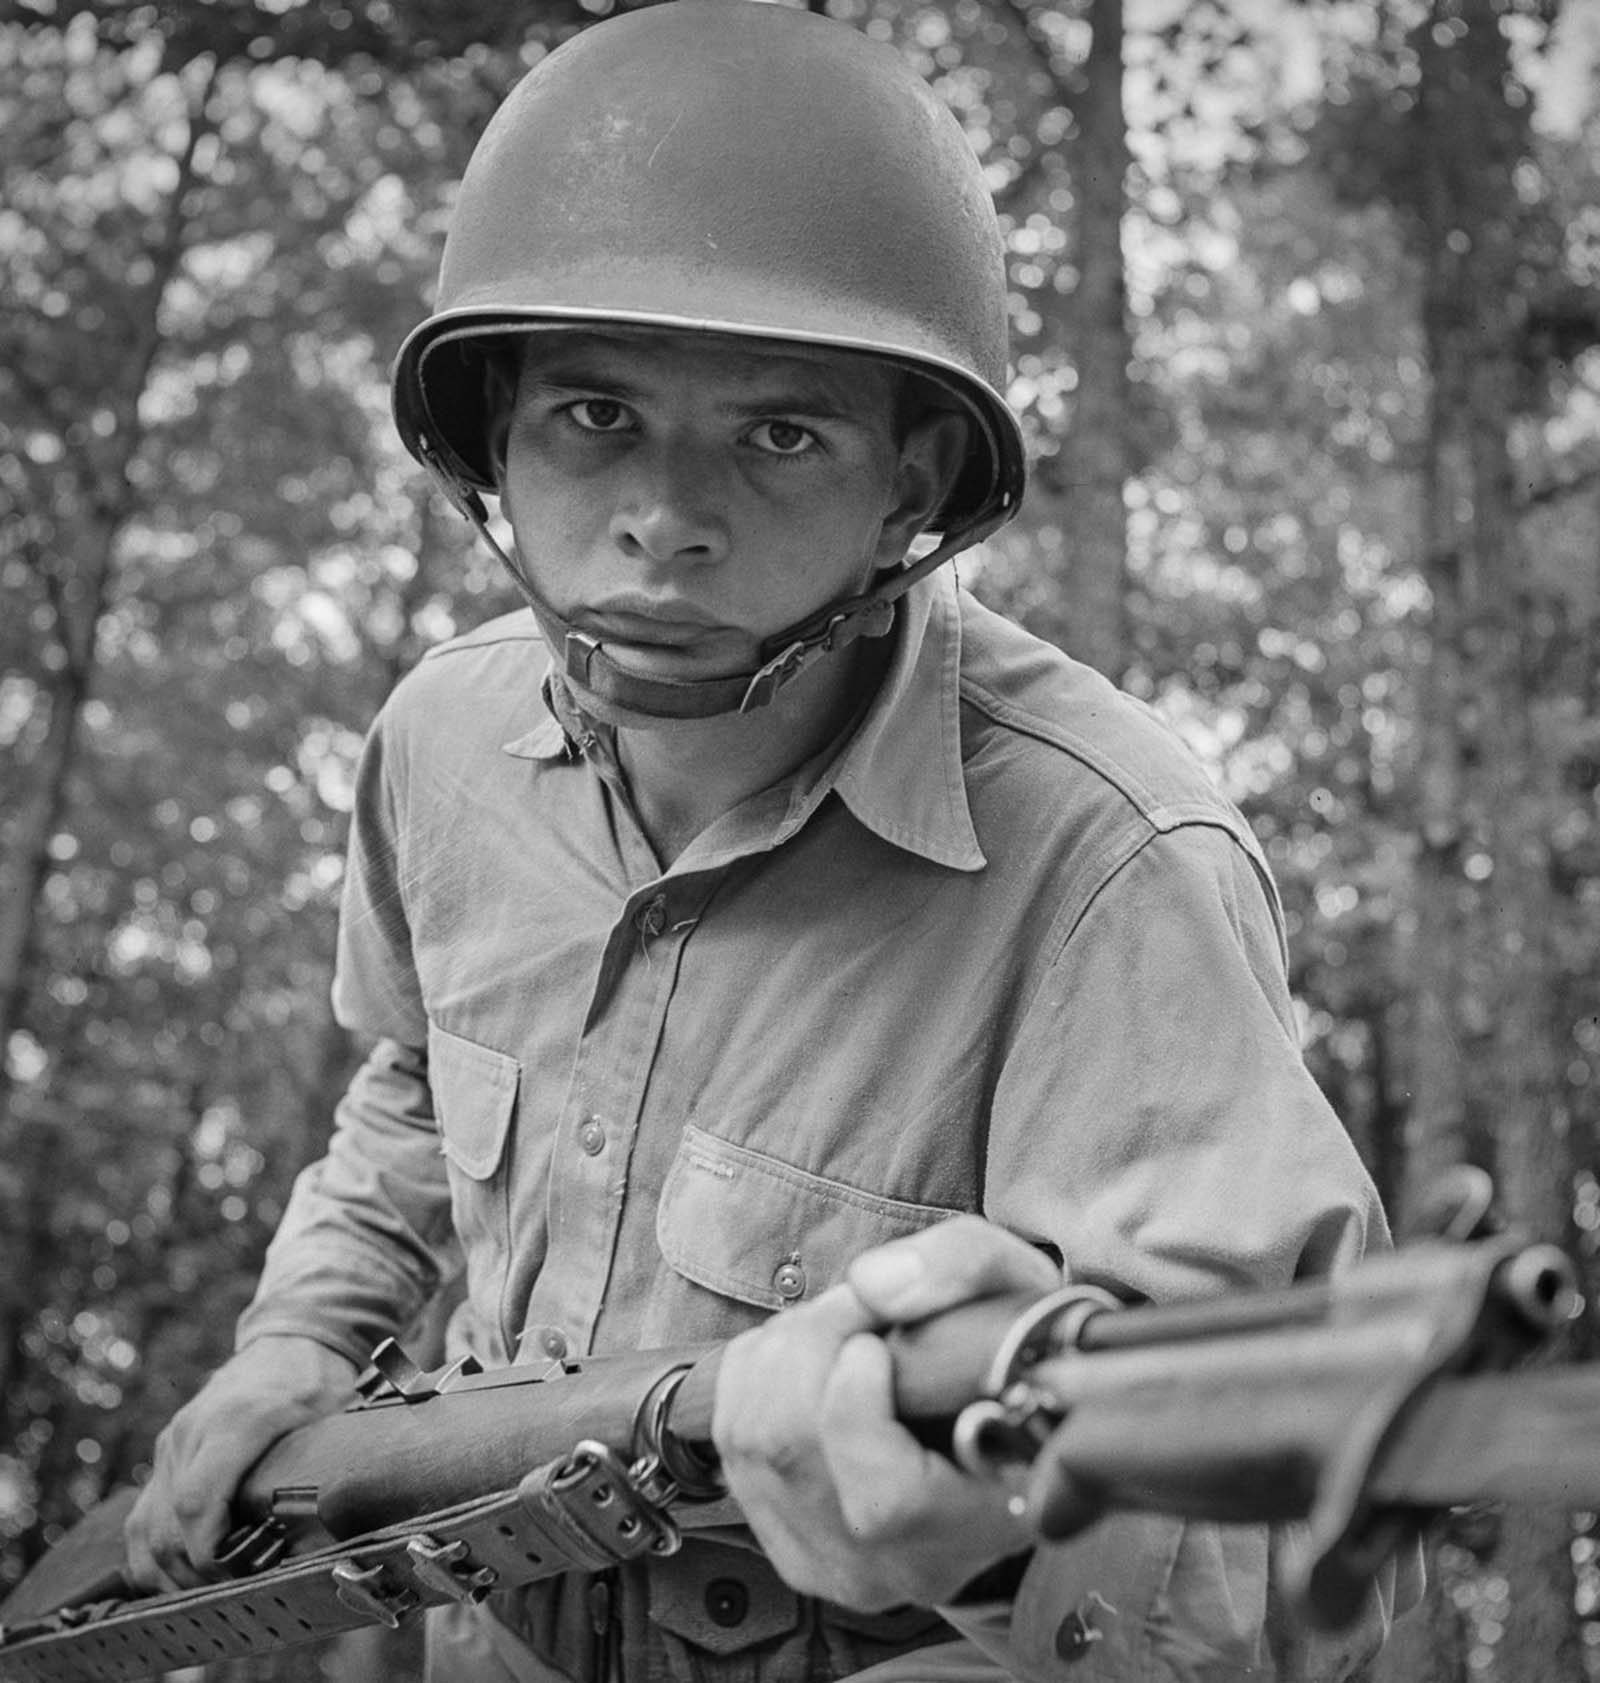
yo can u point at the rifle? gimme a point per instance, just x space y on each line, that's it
1363 1406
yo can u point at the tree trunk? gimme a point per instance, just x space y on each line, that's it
1097 457
1082 488
46 803
1486 1007
1435 1129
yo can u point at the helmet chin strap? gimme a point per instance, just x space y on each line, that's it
616 694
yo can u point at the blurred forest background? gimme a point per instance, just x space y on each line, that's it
1306 309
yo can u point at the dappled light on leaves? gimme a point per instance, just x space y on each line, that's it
218 221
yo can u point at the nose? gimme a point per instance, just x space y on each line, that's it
670 507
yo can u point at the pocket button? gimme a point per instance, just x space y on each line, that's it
789 1280
727 1602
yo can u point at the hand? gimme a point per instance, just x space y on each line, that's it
271 1386
845 1502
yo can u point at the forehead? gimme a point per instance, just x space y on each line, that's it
845 382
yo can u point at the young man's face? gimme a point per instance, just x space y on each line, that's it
682 498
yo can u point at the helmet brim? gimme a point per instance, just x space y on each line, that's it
441 402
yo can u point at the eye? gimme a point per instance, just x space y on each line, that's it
599 414
783 438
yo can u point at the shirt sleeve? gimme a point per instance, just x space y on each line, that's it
1158 1128
376 990
367 1236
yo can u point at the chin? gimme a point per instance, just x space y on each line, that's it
662 666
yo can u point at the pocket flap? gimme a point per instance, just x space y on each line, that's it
474 1094
721 1599
757 1229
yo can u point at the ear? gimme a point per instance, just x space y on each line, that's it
931 456
499 396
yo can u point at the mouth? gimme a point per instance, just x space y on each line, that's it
666 625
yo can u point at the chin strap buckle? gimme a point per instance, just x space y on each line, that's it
780 670
871 617
579 651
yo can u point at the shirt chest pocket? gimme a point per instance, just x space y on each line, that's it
752 1228
474 1099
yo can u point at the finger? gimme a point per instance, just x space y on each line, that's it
200 1506
139 1561
929 1525
155 1559
177 1571
771 1375
960 1259
881 1473
827 1320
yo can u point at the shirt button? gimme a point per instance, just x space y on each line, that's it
789 1280
1072 1637
652 918
592 1137
727 1602
1080 1630
553 1341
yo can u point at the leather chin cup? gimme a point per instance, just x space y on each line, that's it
595 676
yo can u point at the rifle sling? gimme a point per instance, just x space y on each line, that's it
578 1513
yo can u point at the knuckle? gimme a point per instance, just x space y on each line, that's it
755 1448
191 1501
878 1518
865 1588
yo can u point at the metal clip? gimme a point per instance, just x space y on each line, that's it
447 1569
580 652
295 1501
665 1467
998 1434
1013 1423
618 1515
1053 1324
363 1589
784 666
253 1548
392 1374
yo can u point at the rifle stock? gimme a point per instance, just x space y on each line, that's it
1326 1402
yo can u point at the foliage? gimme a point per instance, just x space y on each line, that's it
218 219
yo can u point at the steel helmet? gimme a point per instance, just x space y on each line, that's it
731 167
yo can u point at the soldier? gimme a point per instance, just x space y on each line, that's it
758 903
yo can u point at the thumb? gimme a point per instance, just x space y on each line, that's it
959 1260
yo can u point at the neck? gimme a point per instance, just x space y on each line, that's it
684 775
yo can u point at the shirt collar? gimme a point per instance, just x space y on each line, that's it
900 773
562 734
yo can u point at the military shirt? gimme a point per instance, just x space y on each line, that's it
1004 949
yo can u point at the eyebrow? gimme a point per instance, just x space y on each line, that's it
558 380
800 398
796 387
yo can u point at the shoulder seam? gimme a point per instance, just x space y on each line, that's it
1159 815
